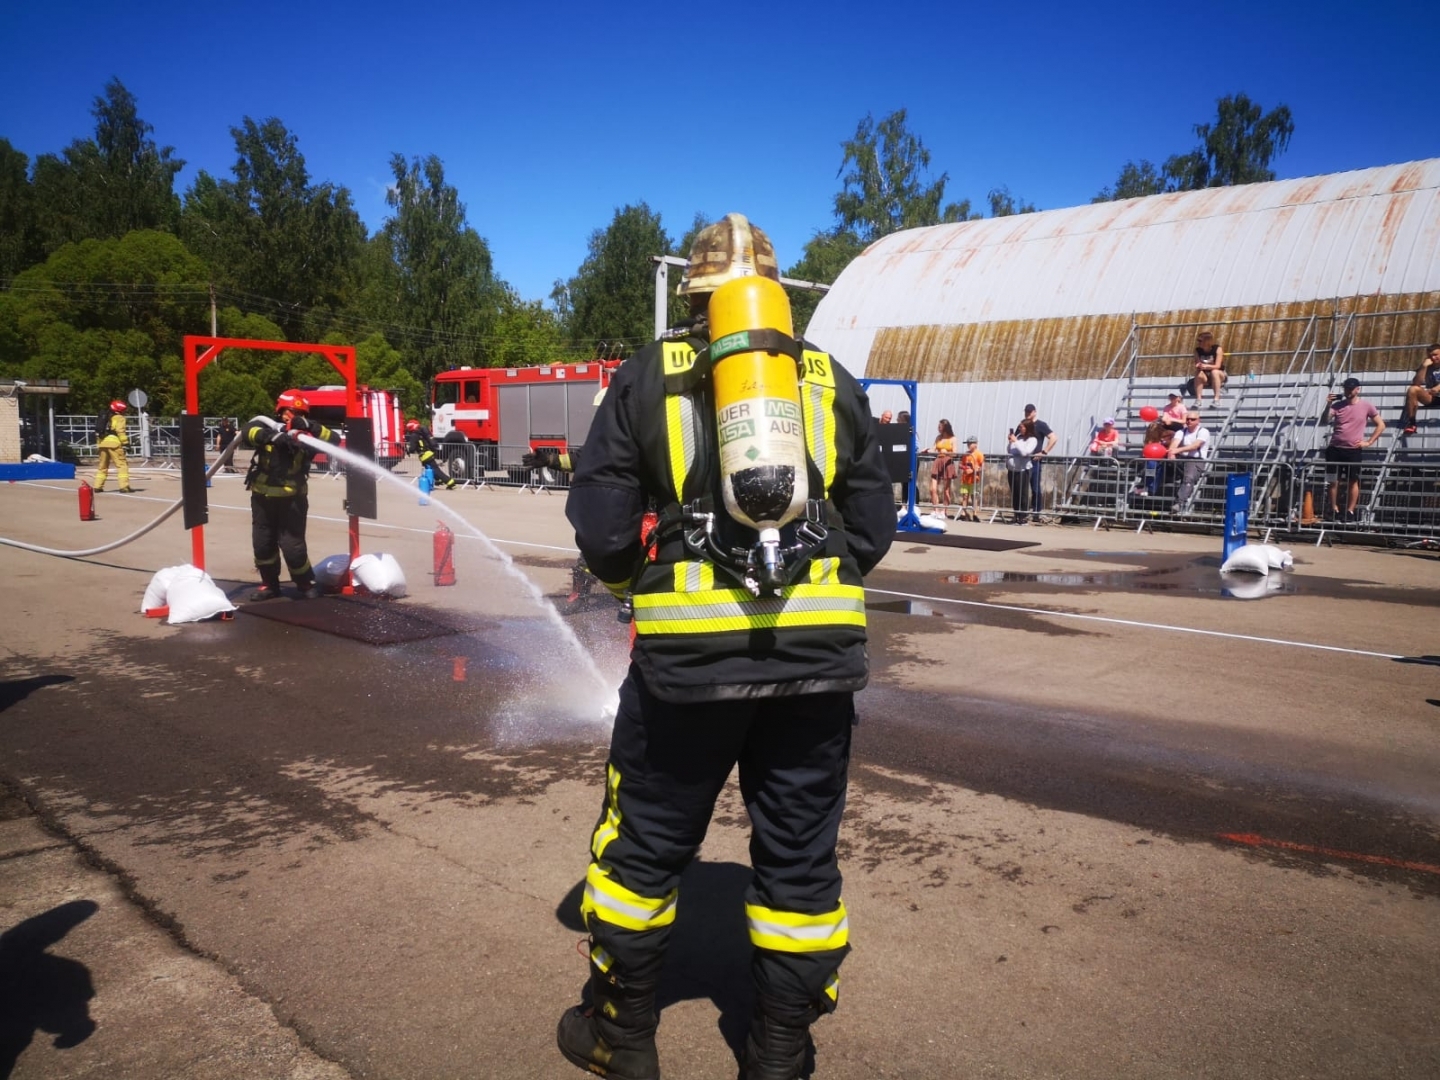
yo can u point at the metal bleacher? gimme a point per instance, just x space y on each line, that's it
1267 423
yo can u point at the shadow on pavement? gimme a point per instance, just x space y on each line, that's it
40 992
14 691
709 949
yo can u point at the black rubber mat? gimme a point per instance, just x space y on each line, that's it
373 622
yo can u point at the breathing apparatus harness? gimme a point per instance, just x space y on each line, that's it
767 565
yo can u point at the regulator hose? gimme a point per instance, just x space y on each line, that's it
224 459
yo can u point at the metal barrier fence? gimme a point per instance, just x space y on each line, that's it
484 465
157 438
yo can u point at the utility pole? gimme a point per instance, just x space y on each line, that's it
213 332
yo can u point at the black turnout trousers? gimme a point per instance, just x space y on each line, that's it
277 523
673 760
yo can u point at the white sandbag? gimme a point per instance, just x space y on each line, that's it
158 590
379 574
331 571
1247 559
1279 558
933 521
192 599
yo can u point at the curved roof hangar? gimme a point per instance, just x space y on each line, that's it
1053 294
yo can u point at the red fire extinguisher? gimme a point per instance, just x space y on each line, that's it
87 502
444 556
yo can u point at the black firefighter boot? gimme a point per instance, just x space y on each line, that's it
778 1046
269 586
615 1035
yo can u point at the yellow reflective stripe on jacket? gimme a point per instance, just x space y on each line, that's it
715 611
694 576
679 357
287 489
609 828
818 401
789 931
611 902
825 571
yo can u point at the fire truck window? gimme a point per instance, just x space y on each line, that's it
446 393
472 393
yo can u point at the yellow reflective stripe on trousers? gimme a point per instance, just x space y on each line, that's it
611 902
608 829
718 610
789 931
832 986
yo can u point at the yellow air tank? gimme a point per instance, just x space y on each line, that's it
757 405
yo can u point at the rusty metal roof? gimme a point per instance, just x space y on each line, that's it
1363 233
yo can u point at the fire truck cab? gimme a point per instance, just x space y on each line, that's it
515 410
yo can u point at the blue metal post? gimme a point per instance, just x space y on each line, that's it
1237 513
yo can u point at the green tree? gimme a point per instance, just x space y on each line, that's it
1135 180
272 232
1236 149
885 188
108 315
1003 204
446 291
825 255
19 235
611 299
118 182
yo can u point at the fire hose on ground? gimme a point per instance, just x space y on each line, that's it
223 460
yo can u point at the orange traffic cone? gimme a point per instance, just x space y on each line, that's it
1307 510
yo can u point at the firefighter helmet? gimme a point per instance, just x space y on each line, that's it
731 248
412 426
117 406
292 401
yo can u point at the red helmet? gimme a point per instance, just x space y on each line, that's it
292 401
118 406
412 426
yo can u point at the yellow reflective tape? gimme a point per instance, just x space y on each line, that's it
611 902
721 610
617 588
825 571
832 986
675 436
819 406
609 828
790 931
694 577
601 959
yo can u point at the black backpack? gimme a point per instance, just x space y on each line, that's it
102 424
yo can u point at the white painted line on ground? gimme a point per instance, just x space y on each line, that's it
1136 623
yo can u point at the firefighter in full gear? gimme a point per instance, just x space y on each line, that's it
748 647
423 444
111 445
279 504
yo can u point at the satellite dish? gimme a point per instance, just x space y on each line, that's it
138 398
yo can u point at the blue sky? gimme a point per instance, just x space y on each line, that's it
550 117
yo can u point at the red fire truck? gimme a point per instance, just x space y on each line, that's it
327 405
509 411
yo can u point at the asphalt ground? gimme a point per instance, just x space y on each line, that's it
1105 819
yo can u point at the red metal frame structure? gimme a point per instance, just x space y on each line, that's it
200 351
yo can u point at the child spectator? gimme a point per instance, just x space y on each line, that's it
972 465
1107 439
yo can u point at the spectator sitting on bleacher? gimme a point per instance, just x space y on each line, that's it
1209 366
1192 446
1423 389
1106 440
1173 415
